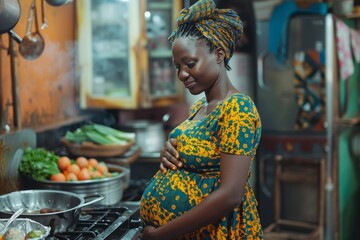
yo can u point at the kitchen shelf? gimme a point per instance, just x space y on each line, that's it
110 55
160 6
161 53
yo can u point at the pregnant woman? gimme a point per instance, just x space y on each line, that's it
202 189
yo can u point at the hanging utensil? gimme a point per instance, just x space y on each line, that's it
44 21
11 219
33 43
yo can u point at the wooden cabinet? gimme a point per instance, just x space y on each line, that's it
124 58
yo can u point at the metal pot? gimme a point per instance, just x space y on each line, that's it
112 188
9 17
63 207
150 135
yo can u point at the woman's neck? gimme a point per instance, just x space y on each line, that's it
220 90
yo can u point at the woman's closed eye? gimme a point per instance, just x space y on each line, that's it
190 65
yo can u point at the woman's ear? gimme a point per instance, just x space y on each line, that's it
220 55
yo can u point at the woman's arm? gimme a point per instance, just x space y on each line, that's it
233 175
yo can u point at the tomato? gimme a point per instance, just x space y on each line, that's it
82 162
102 168
59 177
71 177
84 174
96 174
63 162
93 162
73 168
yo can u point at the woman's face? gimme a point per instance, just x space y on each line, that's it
196 67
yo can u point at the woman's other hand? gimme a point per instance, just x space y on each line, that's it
169 156
148 232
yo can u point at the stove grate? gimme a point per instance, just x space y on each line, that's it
102 223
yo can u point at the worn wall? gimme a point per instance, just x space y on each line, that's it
47 85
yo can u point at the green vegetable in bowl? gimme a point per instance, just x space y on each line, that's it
99 134
39 164
34 234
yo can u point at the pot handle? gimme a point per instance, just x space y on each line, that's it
98 198
16 37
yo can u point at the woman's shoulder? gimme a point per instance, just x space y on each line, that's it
239 98
239 102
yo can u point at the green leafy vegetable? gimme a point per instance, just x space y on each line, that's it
99 134
39 164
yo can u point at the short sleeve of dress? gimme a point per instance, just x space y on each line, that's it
239 126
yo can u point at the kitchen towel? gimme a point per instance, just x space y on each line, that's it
277 41
345 61
355 44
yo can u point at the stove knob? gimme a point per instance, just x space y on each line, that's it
135 223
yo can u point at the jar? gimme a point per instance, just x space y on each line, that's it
343 7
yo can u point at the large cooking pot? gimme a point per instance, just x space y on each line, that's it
150 135
53 208
112 188
9 16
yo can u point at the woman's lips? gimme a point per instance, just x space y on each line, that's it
189 84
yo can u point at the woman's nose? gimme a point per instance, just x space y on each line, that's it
183 75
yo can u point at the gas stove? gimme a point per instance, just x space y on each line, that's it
105 223
118 221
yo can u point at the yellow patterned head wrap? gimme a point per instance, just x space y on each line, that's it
222 27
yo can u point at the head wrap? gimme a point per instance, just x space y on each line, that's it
222 27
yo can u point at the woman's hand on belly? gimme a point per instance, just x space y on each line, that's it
147 234
169 156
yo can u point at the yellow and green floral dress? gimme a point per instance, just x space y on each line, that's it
233 127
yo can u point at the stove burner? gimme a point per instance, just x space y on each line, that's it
135 190
108 223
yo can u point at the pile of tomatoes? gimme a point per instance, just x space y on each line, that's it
80 169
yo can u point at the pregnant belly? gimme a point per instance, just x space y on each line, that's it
172 194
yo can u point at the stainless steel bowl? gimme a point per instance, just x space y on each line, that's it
112 188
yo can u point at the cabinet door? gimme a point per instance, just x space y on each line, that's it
160 20
108 34
124 57
161 84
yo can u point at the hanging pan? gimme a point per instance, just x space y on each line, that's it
9 16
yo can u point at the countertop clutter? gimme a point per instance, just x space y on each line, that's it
115 210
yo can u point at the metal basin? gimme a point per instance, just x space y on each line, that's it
112 188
